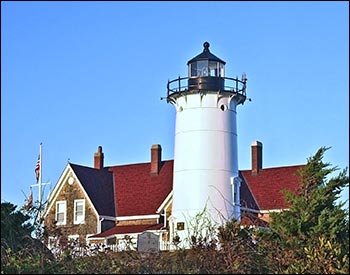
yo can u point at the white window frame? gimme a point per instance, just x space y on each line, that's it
53 242
65 212
75 221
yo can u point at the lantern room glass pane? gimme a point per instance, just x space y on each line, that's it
213 68
193 69
221 70
199 68
202 68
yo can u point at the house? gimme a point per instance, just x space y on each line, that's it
262 188
113 205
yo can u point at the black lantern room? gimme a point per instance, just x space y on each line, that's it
206 71
206 74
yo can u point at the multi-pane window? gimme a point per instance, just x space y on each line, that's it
79 211
61 211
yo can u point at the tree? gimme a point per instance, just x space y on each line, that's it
15 227
20 251
313 235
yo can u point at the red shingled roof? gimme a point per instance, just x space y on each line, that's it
136 192
127 229
268 184
139 193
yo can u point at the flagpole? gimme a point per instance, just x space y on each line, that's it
39 183
40 177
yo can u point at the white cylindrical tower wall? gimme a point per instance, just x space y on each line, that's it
205 156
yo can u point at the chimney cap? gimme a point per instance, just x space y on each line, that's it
156 146
256 143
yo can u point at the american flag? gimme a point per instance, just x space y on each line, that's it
37 168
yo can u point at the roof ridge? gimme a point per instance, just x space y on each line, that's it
276 167
133 164
79 165
88 167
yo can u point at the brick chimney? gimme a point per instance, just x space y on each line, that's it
98 158
156 159
256 157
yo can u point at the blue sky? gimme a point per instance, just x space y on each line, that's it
76 75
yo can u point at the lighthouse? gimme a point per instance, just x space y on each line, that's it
205 175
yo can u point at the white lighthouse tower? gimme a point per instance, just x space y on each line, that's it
205 153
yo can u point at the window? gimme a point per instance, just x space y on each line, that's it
52 242
61 211
79 211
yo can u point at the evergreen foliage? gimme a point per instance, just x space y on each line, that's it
312 236
15 227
